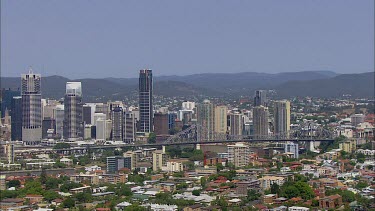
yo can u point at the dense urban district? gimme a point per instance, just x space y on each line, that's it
258 153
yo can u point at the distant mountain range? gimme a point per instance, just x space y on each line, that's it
288 84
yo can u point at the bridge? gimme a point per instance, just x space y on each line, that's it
305 134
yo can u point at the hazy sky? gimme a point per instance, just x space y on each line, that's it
116 38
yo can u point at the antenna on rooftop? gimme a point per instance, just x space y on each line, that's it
30 70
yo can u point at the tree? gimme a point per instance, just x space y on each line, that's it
62 146
43 176
252 195
275 188
151 138
14 183
50 195
52 183
196 192
361 185
68 203
203 182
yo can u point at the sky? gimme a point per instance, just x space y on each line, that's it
117 38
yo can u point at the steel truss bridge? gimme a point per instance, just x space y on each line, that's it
305 133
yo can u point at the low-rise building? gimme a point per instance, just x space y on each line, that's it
267 181
330 202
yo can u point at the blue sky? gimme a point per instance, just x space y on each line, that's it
116 38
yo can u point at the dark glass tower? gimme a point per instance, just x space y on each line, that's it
145 101
260 98
16 114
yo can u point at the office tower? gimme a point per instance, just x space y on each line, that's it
47 124
239 154
99 116
115 163
111 105
130 160
129 126
281 118
161 124
188 105
87 132
260 98
236 124
117 116
6 99
31 108
205 120
101 129
73 107
16 114
356 119
59 120
159 159
260 121
87 114
221 124
101 108
171 120
145 101
291 148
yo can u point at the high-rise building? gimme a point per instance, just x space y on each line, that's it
73 111
101 129
16 114
6 96
236 124
159 159
129 126
130 160
260 121
87 114
281 118
145 101
239 154
161 124
292 148
117 116
59 120
171 120
205 120
260 98
221 123
47 124
31 108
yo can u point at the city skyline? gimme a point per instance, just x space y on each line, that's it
204 38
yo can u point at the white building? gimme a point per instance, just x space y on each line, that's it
239 154
173 166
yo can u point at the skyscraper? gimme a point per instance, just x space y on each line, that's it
260 98
205 120
145 101
117 116
73 111
221 122
31 108
281 118
129 126
236 123
16 114
260 121
239 154
161 124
